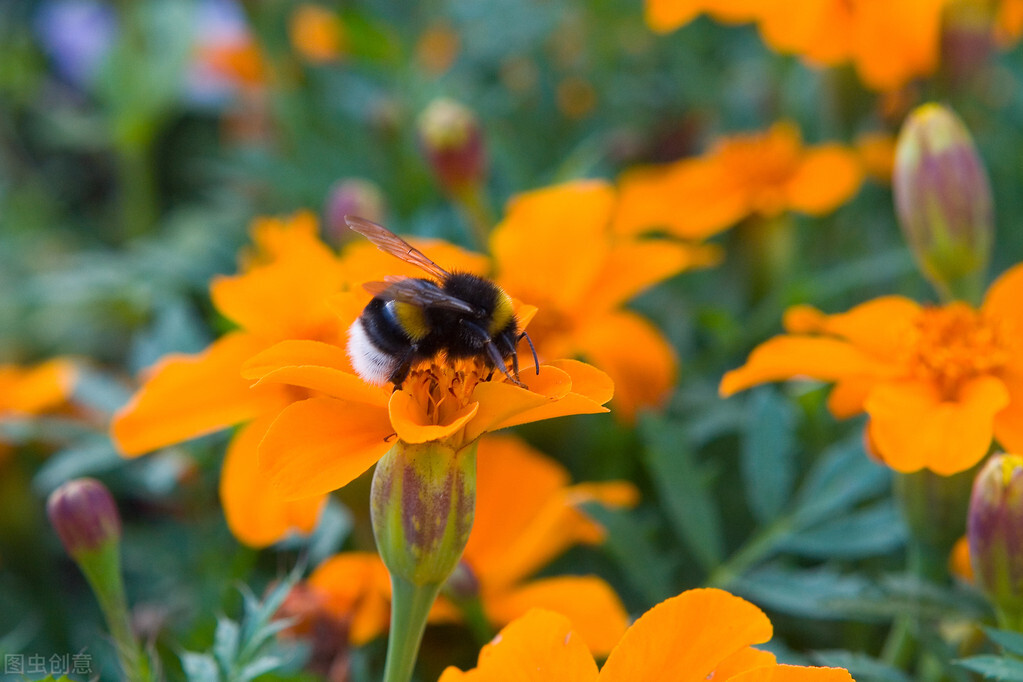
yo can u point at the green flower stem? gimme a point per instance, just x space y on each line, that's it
768 247
478 212
410 607
102 569
476 619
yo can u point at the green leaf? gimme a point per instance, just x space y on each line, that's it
225 642
842 478
768 453
1011 642
994 667
684 490
866 532
813 594
862 668
649 572
199 667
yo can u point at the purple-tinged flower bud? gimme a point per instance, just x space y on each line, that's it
944 201
84 515
995 533
452 140
352 196
422 504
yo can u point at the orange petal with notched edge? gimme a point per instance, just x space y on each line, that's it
255 512
191 395
684 638
502 401
1002 301
635 355
827 176
412 423
596 612
632 267
847 396
1009 422
913 427
31 390
318 445
792 673
878 327
791 357
541 646
664 16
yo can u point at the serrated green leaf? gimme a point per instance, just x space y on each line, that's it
844 476
683 489
648 571
994 667
814 594
226 641
866 532
199 667
768 453
1011 642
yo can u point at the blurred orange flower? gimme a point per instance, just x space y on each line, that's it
282 293
889 43
556 250
526 515
764 173
937 382
698 635
31 390
317 34
877 155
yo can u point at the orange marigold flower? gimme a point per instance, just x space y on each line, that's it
877 155
698 635
317 34
527 514
938 382
665 16
282 293
765 173
555 249
33 390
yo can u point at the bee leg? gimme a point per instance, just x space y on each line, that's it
495 355
536 361
402 369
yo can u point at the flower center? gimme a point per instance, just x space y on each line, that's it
445 386
955 344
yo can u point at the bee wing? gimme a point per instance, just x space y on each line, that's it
388 242
418 292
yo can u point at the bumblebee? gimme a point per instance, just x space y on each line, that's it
412 319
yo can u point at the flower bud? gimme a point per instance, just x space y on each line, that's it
422 504
84 515
995 533
352 196
944 201
452 140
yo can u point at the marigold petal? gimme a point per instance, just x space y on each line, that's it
878 327
1002 301
819 31
664 16
313 365
913 427
514 482
1009 422
827 177
847 396
635 355
318 445
355 588
550 246
538 647
412 423
255 512
790 357
684 638
741 661
587 380
502 402
898 42
186 396
959 563
593 607
295 352
35 389
632 267
793 673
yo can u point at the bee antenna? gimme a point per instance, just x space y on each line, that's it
536 361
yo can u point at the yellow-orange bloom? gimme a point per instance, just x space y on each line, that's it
282 293
32 390
526 515
765 173
889 43
555 249
317 34
937 382
698 635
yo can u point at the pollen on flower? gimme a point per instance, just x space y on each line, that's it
955 343
444 386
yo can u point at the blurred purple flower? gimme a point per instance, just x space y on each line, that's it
76 34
